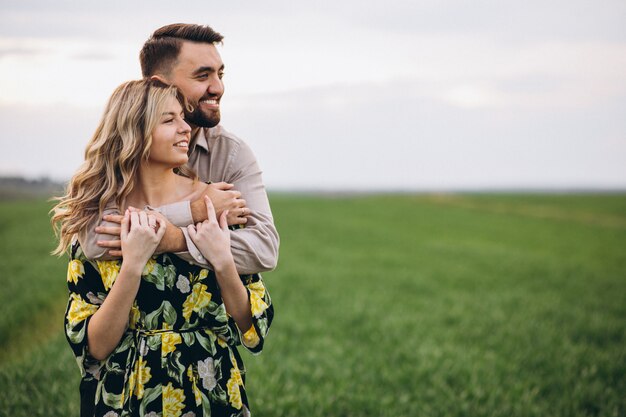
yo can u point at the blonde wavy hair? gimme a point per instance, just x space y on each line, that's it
113 155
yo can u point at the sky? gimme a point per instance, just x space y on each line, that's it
351 95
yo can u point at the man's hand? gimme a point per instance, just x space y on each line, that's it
168 241
115 245
224 198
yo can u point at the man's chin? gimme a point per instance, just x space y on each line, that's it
203 119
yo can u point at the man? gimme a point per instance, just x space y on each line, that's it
185 55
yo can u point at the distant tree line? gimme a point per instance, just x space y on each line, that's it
14 187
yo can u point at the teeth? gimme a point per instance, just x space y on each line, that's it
181 144
209 101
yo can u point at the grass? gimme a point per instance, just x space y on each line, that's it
425 305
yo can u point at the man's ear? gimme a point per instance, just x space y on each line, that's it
160 78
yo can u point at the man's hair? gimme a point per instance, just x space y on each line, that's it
160 52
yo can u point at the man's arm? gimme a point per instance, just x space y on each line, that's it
255 247
90 236
101 240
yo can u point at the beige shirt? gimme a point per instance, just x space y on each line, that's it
217 155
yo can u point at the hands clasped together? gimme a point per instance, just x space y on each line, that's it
222 197
141 232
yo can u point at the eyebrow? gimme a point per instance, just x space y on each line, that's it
207 69
171 113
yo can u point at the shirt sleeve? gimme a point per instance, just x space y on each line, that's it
179 214
86 294
255 246
88 238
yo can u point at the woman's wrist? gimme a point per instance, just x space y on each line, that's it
132 268
224 265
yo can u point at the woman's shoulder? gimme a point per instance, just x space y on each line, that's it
192 189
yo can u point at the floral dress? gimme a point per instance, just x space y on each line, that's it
178 357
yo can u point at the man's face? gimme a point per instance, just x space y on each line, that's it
198 74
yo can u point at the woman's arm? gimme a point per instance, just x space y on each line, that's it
213 240
140 235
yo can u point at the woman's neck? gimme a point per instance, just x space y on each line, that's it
155 186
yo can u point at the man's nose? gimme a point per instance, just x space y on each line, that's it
216 87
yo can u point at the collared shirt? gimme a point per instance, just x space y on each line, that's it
217 155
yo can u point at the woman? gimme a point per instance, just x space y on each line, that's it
154 335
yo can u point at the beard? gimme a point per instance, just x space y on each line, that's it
203 119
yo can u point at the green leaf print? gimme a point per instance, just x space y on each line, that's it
152 319
220 314
110 399
127 342
170 276
219 395
208 343
154 341
169 314
149 395
175 369
156 277
73 335
188 338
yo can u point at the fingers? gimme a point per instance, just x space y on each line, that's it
125 228
115 253
152 222
223 185
210 210
143 218
115 244
113 218
237 220
109 230
162 226
223 220
192 232
134 219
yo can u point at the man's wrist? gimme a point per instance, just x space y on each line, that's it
173 241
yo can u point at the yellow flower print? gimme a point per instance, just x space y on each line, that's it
197 300
196 390
173 399
169 340
149 268
234 394
251 338
108 272
203 274
257 292
222 342
75 270
134 316
137 383
79 310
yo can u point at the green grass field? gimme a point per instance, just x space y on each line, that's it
426 305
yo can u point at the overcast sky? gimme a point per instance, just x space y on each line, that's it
410 95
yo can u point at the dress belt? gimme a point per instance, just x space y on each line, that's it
140 336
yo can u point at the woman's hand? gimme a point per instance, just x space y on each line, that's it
213 238
140 234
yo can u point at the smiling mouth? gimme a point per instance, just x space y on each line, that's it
211 102
182 144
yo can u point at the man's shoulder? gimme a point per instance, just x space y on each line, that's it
219 134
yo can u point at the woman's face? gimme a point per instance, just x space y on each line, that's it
170 139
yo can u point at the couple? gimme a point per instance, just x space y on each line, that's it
155 332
